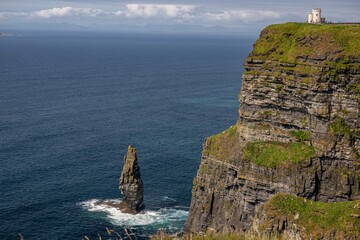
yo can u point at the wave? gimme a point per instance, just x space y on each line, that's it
163 216
166 198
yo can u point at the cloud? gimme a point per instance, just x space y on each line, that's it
66 12
158 10
59 12
242 15
6 15
156 13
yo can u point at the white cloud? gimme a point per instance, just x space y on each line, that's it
242 15
5 15
66 12
59 12
158 10
138 13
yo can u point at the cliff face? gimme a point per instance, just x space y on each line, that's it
298 130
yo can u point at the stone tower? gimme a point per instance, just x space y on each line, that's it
315 16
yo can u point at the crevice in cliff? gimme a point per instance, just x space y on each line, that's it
211 203
317 186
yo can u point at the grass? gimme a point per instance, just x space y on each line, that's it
317 218
214 236
306 70
340 128
301 135
273 154
355 88
223 145
286 42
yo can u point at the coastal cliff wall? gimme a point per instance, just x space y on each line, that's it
298 130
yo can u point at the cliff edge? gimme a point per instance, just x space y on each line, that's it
298 135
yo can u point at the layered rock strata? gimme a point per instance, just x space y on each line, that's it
298 130
131 185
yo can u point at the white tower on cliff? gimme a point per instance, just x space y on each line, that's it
315 16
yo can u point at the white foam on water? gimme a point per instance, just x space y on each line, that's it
118 218
166 198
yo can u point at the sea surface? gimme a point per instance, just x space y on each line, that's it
71 103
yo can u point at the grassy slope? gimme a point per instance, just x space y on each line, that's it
223 145
317 218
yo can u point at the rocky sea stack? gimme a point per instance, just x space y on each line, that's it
131 185
291 163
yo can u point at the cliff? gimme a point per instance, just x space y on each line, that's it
298 133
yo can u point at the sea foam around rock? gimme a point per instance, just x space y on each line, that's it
163 216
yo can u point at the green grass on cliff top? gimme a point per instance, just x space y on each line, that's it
286 42
317 217
273 154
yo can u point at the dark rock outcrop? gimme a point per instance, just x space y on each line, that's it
300 90
131 185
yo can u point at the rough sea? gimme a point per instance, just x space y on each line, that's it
71 103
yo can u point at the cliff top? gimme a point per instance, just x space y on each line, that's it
295 42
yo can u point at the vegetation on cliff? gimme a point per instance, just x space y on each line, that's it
317 219
223 145
272 154
215 236
290 42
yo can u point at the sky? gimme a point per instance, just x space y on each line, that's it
167 16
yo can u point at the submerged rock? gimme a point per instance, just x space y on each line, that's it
131 185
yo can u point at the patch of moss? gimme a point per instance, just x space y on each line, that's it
290 78
306 70
204 169
266 114
303 121
307 80
279 87
273 154
345 111
340 128
317 218
277 74
301 135
355 88
255 73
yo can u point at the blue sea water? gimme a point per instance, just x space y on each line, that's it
71 103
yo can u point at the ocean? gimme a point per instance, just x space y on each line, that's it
70 105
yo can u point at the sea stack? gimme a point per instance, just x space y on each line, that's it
131 185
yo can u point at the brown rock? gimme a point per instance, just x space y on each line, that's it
131 185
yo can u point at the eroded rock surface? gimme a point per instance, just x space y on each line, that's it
131 185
